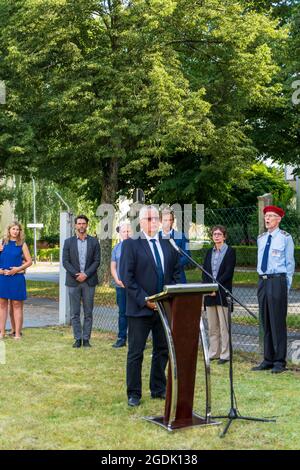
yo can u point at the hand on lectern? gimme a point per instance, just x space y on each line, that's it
151 305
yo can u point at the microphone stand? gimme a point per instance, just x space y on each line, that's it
233 412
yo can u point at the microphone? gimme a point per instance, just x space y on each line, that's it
182 252
171 240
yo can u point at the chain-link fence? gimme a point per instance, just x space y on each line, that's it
242 227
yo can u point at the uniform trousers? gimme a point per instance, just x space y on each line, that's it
272 299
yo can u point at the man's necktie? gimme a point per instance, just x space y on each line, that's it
159 268
264 263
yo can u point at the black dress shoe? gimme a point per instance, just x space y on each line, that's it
77 343
120 343
262 366
134 401
160 396
86 343
223 361
278 370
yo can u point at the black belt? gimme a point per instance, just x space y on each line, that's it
269 276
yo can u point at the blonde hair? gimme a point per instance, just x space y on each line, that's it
21 237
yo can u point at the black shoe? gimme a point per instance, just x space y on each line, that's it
223 361
160 396
77 343
262 366
86 343
278 370
134 401
120 343
214 359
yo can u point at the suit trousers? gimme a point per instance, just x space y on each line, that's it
138 331
272 300
85 293
217 317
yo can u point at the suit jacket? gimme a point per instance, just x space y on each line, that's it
70 261
181 241
139 275
224 276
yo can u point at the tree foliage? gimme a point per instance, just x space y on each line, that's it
150 93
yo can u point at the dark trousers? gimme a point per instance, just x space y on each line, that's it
272 300
138 331
85 293
121 302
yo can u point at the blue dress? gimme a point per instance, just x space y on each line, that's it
12 287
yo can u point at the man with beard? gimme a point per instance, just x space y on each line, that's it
81 259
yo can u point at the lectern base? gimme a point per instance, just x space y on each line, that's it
195 420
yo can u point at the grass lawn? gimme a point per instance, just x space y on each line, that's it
103 295
42 289
56 397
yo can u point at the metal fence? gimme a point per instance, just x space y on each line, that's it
242 226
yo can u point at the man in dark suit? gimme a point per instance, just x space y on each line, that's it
167 231
81 259
147 264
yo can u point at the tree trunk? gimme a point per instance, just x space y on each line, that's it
109 191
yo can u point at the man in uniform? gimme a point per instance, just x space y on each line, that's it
275 267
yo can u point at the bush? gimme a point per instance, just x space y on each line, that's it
48 254
246 256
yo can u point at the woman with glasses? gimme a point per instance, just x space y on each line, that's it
220 263
14 258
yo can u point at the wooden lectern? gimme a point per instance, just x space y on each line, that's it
179 307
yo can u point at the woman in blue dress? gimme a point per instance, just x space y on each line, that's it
14 259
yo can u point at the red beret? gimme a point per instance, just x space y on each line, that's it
275 209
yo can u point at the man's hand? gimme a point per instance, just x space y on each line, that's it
81 277
151 305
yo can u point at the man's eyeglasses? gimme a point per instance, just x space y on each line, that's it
271 216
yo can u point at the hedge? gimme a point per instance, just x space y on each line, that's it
245 255
48 254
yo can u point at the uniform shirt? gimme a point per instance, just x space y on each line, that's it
281 254
82 251
156 238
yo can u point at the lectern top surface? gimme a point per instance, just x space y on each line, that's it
184 289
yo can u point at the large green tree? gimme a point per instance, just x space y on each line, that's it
91 88
151 93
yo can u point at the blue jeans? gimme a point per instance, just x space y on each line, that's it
121 301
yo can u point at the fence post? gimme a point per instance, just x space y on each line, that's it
263 201
66 229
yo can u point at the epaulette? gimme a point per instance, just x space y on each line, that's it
285 233
261 235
